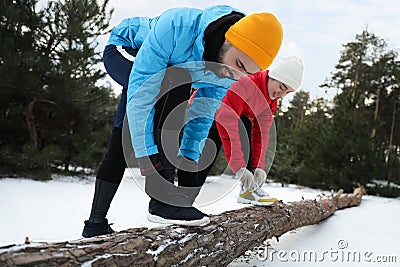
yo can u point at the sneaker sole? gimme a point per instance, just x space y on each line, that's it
244 201
265 203
253 202
158 219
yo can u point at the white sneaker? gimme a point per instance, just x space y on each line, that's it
256 197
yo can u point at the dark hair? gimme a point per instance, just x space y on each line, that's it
217 67
222 51
215 47
214 35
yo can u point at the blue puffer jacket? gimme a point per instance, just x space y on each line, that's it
173 38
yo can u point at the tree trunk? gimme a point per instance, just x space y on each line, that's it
391 151
30 120
227 237
377 106
355 85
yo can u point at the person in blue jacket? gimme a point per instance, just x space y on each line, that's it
156 60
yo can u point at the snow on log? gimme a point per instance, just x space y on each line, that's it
227 237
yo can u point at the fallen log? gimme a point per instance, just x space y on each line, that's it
227 237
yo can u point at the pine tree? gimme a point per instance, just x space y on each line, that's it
362 78
20 83
387 135
290 147
83 108
54 110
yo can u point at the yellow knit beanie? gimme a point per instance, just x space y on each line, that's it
258 35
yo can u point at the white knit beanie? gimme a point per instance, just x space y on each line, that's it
288 71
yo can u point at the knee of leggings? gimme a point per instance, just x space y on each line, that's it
111 171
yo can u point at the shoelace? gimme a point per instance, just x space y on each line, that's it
261 192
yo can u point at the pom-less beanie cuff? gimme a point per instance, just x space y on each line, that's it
288 70
292 83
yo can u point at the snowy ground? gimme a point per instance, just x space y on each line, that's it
367 235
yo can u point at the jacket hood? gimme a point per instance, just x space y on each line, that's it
208 16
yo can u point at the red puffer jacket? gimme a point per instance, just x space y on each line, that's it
247 97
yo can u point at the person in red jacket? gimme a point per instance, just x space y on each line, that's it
255 97
247 110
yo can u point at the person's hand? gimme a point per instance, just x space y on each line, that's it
246 178
149 165
259 176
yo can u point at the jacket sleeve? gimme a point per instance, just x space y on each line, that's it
260 137
146 77
227 121
261 124
201 112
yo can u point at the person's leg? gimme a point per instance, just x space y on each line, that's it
258 196
112 167
205 165
169 119
245 139
108 177
169 116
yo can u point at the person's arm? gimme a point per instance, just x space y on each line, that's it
262 121
260 137
163 42
201 113
227 120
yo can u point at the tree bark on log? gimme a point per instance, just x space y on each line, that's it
227 237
